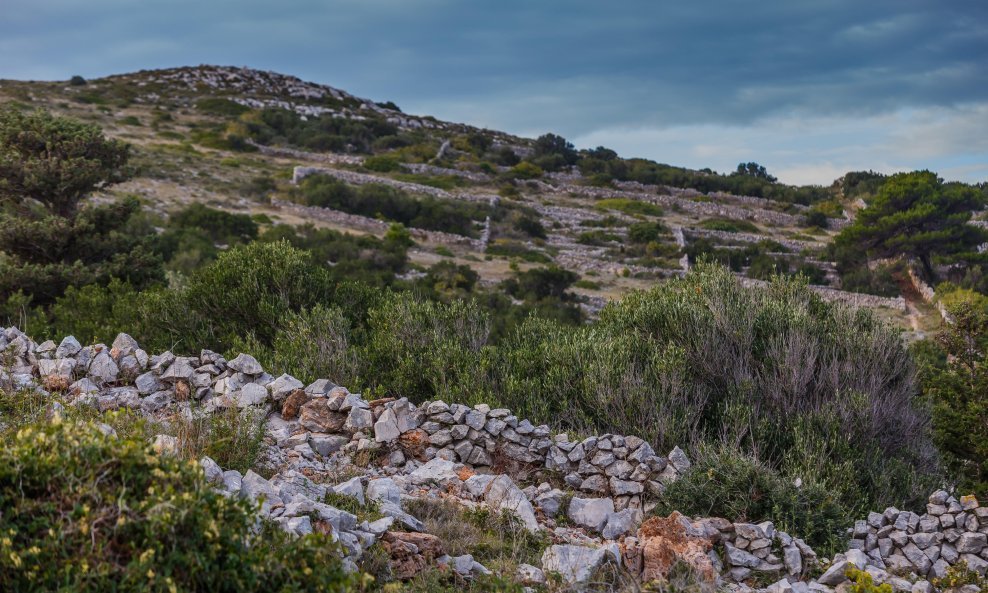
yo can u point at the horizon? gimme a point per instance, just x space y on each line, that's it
809 92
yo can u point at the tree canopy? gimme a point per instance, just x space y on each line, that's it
48 242
917 215
54 160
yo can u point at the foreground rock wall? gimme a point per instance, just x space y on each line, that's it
591 495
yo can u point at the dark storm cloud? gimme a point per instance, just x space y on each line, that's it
528 66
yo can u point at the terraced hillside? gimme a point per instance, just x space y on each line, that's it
290 152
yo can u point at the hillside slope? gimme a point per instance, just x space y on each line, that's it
244 140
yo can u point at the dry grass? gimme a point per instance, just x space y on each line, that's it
499 541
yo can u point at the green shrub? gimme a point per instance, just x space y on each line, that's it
816 218
958 576
423 349
956 389
862 582
248 289
629 206
724 482
506 248
83 511
382 201
309 345
525 170
220 106
77 81
772 372
382 164
729 225
646 232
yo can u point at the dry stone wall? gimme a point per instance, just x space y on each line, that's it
474 455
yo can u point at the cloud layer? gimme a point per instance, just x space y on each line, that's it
804 88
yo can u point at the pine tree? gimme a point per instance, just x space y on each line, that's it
917 215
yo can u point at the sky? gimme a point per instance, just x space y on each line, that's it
810 89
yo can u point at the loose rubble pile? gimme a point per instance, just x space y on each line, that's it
591 496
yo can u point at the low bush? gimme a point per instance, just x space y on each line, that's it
724 482
729 225
220 106
646 232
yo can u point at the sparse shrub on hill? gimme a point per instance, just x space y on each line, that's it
83 511
323 133
729 225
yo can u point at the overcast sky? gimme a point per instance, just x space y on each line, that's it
808 88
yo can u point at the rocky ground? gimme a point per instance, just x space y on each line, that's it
361 469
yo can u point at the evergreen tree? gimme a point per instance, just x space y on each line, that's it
917 215
48 240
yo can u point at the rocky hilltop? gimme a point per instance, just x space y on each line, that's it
589 501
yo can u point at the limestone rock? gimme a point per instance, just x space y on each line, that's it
386 427
574 564
591 513
246 364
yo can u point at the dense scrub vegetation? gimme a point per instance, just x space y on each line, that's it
81 510
812 390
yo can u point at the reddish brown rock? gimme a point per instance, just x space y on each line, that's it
411 553
55 383
662 542
316 416
380 401
182 391
414 442
294 401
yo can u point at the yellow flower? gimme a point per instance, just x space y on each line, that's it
150 574
15 559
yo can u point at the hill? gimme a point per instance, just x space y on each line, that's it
245 141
